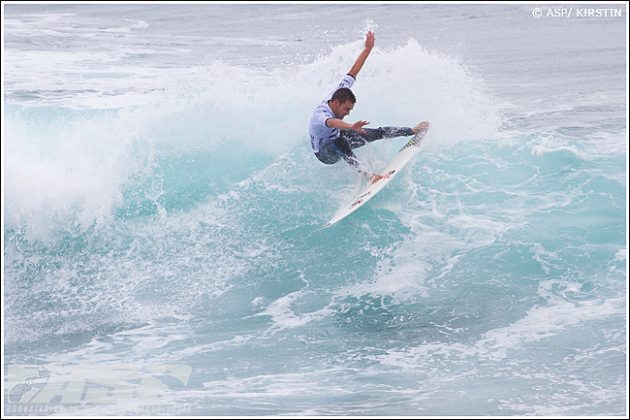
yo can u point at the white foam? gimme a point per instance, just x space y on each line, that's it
543 322
540 323
284 316
69 169
621 255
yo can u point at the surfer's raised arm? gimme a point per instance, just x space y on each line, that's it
358 64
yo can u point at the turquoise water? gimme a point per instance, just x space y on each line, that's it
162 206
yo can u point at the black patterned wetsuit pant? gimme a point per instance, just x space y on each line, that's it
350 139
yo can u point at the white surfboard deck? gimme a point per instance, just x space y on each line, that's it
393 167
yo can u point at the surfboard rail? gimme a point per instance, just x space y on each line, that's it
394 166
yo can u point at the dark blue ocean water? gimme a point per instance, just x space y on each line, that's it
162 206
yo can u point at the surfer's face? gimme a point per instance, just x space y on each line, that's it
341 109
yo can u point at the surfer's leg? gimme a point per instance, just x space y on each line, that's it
337 150
329 154
389 132
356 140
343 147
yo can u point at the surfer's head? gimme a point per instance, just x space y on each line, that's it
342 102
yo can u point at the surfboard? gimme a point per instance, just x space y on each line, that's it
394 166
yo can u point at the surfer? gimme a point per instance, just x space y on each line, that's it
333 139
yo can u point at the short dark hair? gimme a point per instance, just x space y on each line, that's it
342 95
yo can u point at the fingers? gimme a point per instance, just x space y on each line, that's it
369 40
360 124
357 126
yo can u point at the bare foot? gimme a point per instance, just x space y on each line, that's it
420 127
375 178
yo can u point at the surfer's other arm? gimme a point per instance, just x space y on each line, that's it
337 123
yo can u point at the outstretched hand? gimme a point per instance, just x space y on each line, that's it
358 126
358 64
369 40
